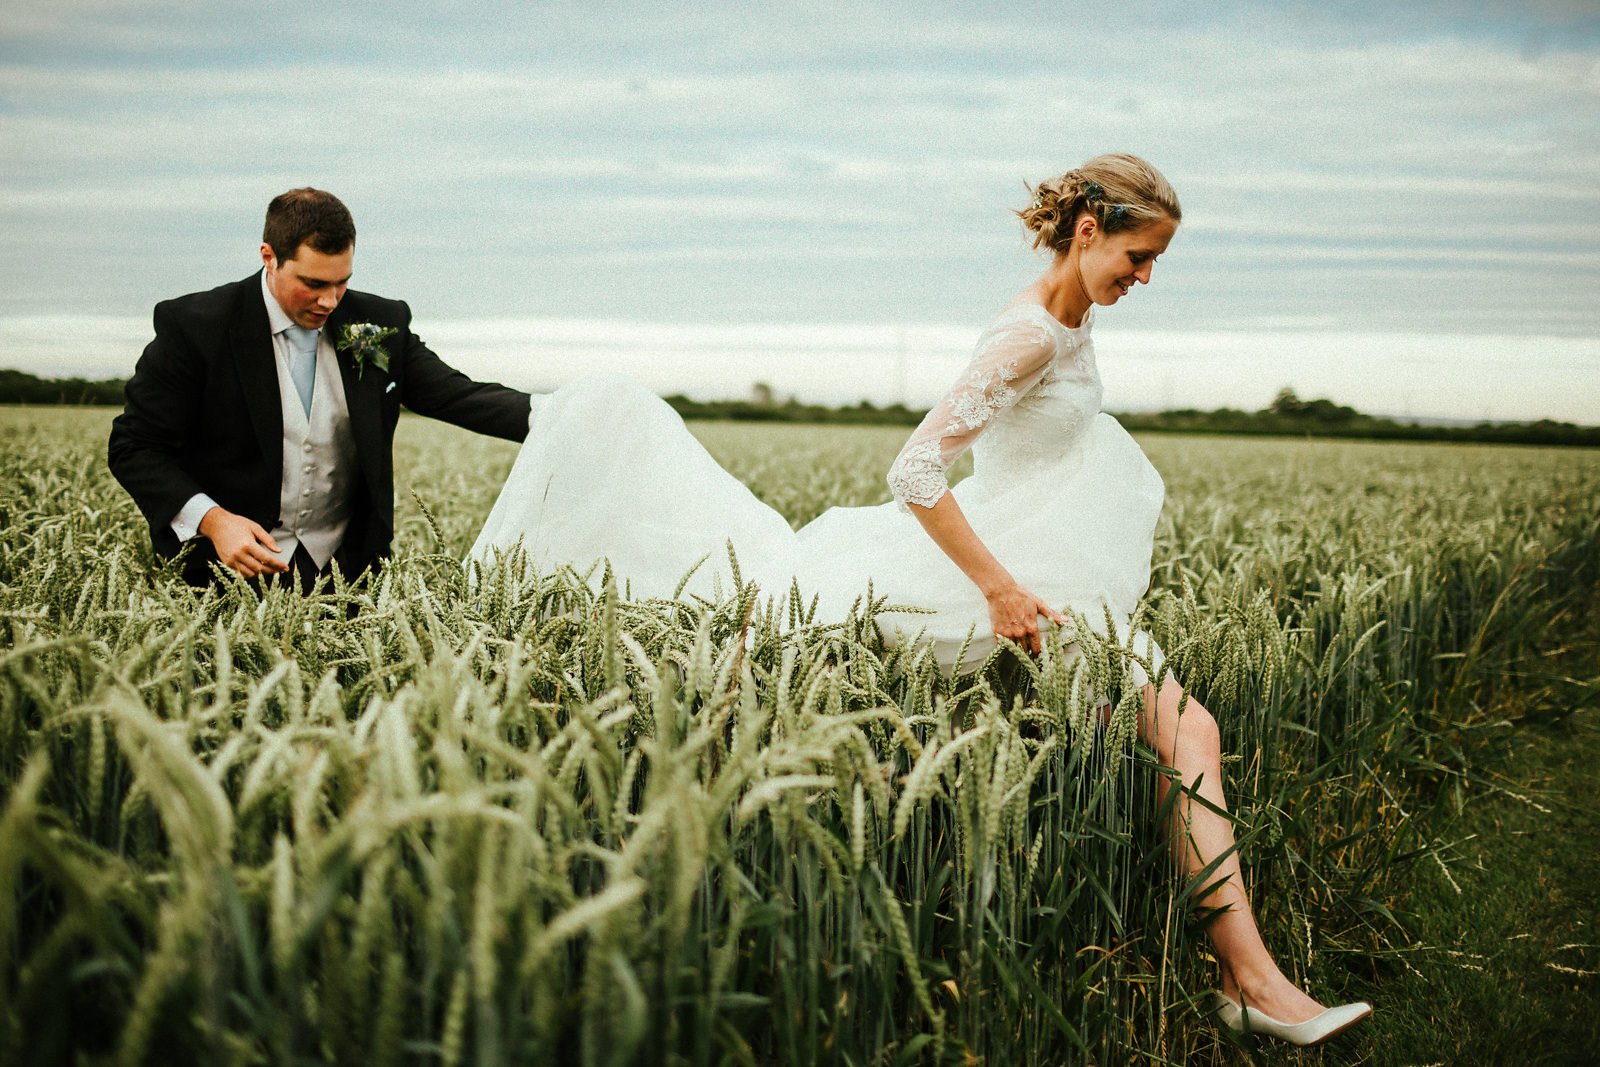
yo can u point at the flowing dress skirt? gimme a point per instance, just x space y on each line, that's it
610 471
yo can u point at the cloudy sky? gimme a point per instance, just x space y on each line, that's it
1393 204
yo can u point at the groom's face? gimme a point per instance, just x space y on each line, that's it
309 284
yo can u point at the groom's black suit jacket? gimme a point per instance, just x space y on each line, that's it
203 414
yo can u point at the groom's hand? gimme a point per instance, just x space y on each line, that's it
242 546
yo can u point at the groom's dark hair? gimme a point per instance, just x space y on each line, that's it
308 216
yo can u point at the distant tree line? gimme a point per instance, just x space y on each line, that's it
1286 416
17 387
763 409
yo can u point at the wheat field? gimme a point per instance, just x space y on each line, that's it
512 817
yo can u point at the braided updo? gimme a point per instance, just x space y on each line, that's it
1122 192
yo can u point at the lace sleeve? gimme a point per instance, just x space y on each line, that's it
1010 358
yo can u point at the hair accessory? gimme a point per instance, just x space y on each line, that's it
1117 212
1038 201
1093 191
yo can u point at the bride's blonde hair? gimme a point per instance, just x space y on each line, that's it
1122 192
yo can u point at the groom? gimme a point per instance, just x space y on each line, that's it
258 423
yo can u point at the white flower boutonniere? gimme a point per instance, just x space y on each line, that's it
364 342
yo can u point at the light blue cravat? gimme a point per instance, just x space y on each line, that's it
303 362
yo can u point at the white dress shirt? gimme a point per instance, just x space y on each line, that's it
319 456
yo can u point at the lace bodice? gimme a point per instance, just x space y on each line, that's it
1025 399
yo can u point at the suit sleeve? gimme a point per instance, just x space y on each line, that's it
433 388
161 407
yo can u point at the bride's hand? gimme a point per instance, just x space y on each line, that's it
1014 613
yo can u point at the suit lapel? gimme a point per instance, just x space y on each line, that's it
363 398
257 368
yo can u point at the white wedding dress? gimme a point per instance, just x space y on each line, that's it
1060 493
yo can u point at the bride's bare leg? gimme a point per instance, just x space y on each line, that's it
1189 742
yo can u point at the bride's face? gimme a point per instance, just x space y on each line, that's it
1110 263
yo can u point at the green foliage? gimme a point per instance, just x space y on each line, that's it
863 413
1290 416
499 816
20 387
1506 946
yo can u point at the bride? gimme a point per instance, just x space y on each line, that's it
1059 514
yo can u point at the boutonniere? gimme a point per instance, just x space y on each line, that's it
364 342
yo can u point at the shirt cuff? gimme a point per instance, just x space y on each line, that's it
186 524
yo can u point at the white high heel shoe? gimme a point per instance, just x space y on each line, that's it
1315 1029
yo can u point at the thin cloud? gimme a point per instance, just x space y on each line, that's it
1357 165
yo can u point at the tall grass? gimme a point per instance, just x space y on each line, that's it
437 820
